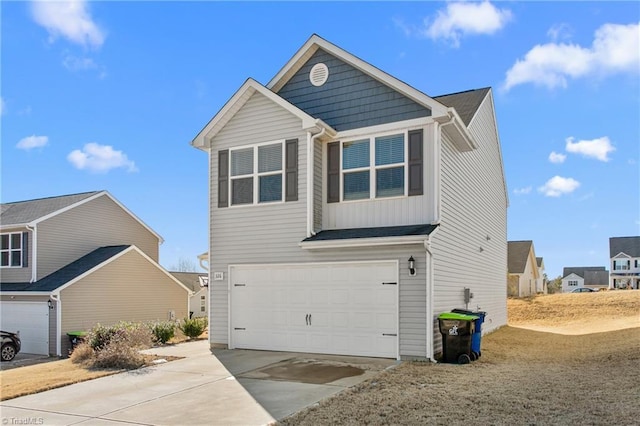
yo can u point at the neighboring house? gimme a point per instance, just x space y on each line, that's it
624 253
524 273
595 277
541 282
198 283
349 209
70 262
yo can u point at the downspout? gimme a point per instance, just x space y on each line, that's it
430 295
56 298
34 257
310 182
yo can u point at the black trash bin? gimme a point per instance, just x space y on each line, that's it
476 338
457 330
75 338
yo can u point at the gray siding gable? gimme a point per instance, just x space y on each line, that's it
350 98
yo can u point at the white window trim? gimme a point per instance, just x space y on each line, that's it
372 168
256 175
11 249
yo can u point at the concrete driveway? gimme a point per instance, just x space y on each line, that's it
230 387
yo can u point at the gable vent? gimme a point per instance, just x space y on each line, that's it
319 74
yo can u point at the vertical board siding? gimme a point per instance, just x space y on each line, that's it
389 211
130 288
19 275
68 236
350 99
473 207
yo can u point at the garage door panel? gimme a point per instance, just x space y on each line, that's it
32 320
321 308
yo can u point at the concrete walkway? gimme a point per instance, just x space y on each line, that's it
201 389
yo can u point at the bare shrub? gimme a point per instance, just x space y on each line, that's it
118 354
118 346
82 354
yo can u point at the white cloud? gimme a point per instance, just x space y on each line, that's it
100 158
558 185
596 148
522 191
556 157
559 31
69 19
32 141
74 63
462 18
615 49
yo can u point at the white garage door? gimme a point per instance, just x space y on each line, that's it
339 308
32 320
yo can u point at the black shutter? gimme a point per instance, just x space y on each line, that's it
291 170
333 172
416 173
25 249
223 178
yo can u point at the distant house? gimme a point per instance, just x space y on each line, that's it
595 277
348 209
198 283
524 273
541 282
70 262
625 262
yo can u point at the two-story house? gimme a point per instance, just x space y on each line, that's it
70 262
523 269
348 209
577 277
624 253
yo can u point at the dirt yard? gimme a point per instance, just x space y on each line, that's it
583 369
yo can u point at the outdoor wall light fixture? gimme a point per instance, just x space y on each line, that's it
50 304
412 266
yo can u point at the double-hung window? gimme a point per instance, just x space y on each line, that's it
257 174
11 249
374 167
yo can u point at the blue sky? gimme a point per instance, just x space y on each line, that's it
108 95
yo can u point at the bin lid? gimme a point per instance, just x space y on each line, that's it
77 333
457 316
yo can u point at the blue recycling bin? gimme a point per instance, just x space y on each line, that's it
476 338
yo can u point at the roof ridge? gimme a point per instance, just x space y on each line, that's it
53 196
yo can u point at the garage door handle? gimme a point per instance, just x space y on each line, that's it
307 319
389 283
389 334
239 328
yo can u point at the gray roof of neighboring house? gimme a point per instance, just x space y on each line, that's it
596 278
377 232
581 270
22 212
69 272
627 245
517 254
191 280
465 103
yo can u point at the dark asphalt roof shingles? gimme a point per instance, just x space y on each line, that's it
22 212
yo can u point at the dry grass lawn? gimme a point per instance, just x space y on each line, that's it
41 377
524 377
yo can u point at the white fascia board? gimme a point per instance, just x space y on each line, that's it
233 105
14 226
316 42
383 128
23 293
363 242
455 128
91 198
621 255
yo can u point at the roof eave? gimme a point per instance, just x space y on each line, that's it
363 242
453 125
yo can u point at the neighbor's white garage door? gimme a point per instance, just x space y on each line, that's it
338 308
32 320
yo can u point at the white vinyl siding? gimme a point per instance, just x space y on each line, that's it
392 210
470 246
270 233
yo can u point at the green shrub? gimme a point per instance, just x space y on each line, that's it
193 327
163 331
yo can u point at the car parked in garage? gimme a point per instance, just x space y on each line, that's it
10 345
